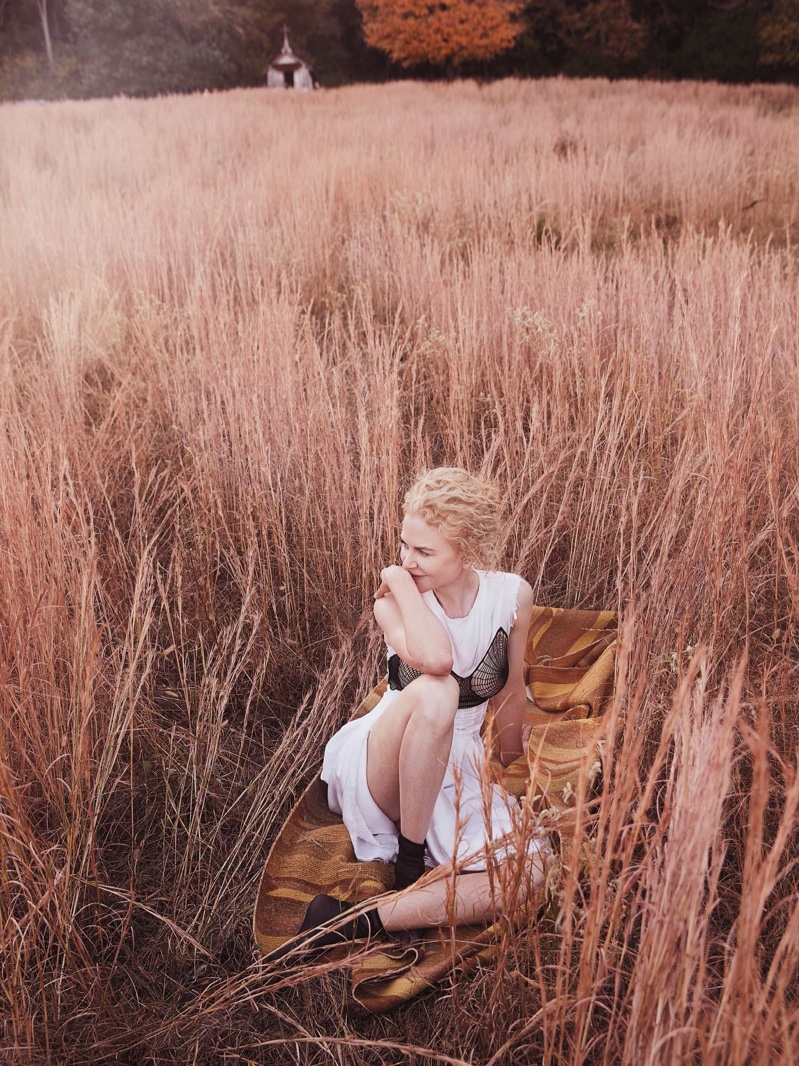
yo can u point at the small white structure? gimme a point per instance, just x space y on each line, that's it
287 71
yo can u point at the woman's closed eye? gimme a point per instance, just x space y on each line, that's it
424 552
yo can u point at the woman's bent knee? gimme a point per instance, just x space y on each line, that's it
436 699
442 687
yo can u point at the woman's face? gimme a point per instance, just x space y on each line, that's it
432 561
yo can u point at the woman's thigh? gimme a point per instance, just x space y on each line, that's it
388 733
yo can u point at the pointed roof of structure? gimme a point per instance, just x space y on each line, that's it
286 60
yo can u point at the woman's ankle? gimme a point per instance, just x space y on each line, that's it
409 865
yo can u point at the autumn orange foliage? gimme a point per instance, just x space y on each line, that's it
448 32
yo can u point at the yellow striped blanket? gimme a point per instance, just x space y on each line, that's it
570 661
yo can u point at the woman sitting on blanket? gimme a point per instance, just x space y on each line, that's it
409 778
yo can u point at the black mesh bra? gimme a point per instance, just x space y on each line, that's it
488 678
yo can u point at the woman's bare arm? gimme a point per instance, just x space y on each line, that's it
511 703
409 626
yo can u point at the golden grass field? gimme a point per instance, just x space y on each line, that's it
231 327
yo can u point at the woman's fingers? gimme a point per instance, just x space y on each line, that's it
387 574
383 588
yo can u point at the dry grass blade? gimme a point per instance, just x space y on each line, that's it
217 371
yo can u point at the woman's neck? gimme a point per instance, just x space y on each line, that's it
457 598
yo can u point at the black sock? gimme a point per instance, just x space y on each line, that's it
409 866
327 910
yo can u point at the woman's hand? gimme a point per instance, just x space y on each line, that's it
389 576
408 624
526 731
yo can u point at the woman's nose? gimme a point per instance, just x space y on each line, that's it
408 561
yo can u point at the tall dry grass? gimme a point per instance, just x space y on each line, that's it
231 326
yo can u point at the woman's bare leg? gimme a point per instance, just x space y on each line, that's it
461 900
408 752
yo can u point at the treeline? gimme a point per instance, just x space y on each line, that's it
82 48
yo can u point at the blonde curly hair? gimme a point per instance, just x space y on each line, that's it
467 510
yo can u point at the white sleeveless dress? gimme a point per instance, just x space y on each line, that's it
463 823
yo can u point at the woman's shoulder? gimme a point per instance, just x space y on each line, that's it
509 592
499 578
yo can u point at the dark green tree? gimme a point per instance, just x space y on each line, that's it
703 38
143 47
34 24
581 36
778 36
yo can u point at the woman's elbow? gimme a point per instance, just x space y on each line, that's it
439 665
